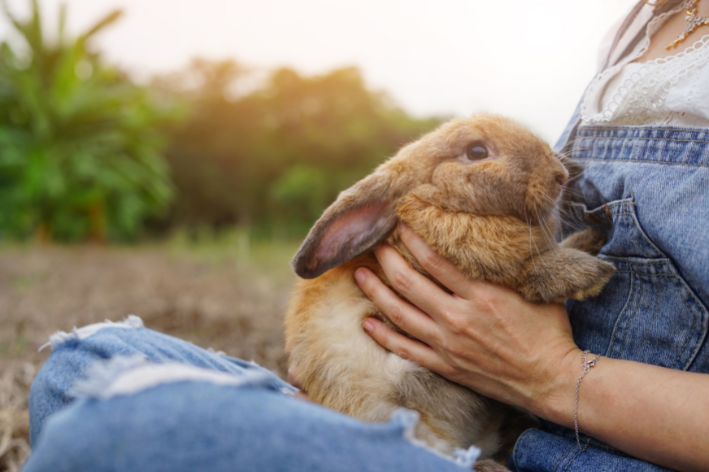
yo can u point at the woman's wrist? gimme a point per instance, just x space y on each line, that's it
554 399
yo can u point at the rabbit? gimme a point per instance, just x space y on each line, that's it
481 192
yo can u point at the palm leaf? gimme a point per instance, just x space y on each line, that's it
101 24
61 32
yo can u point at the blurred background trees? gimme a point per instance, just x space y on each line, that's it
80 157
86 154
275 157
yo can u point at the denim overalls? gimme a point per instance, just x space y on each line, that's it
647 190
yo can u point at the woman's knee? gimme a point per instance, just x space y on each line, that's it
68 363
74 353
135 415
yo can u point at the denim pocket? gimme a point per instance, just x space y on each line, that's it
647 312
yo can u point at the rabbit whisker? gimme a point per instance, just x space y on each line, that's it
531 240
546 231
568 191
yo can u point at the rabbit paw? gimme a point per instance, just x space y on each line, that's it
564 273
588 240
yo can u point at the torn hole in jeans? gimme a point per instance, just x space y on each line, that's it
127 375
77 334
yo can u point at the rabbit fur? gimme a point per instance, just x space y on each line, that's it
492 217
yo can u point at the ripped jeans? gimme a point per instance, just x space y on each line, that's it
120 397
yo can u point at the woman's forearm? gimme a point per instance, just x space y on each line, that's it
656 414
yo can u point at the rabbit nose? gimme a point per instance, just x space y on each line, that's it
562 178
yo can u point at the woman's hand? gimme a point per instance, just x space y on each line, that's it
482 336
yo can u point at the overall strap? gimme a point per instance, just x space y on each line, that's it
621 32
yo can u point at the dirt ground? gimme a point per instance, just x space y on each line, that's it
230 297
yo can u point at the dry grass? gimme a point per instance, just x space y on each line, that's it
230 297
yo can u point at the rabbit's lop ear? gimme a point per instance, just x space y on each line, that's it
360 218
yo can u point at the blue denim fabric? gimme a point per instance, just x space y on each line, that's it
52 389
647 189
249 423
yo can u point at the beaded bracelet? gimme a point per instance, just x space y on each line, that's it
586 366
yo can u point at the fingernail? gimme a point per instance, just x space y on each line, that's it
368 325
360 276
402 227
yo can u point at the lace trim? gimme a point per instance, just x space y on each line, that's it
614 110
644 94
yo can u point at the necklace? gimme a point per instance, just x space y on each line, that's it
694 21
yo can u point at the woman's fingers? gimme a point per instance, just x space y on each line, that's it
412 285
404 347
293 377
407 317
293 380
436 265
404 315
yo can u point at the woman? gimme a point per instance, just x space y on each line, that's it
646 187
162 404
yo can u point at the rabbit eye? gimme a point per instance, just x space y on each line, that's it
476 151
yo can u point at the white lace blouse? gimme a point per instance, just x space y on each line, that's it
672 91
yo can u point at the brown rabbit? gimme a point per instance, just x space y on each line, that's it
481 192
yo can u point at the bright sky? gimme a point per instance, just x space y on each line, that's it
529 60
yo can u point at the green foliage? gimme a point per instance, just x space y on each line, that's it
79 151
274 156
80 145
303 191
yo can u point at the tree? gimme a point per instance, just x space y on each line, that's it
274 156
79 143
